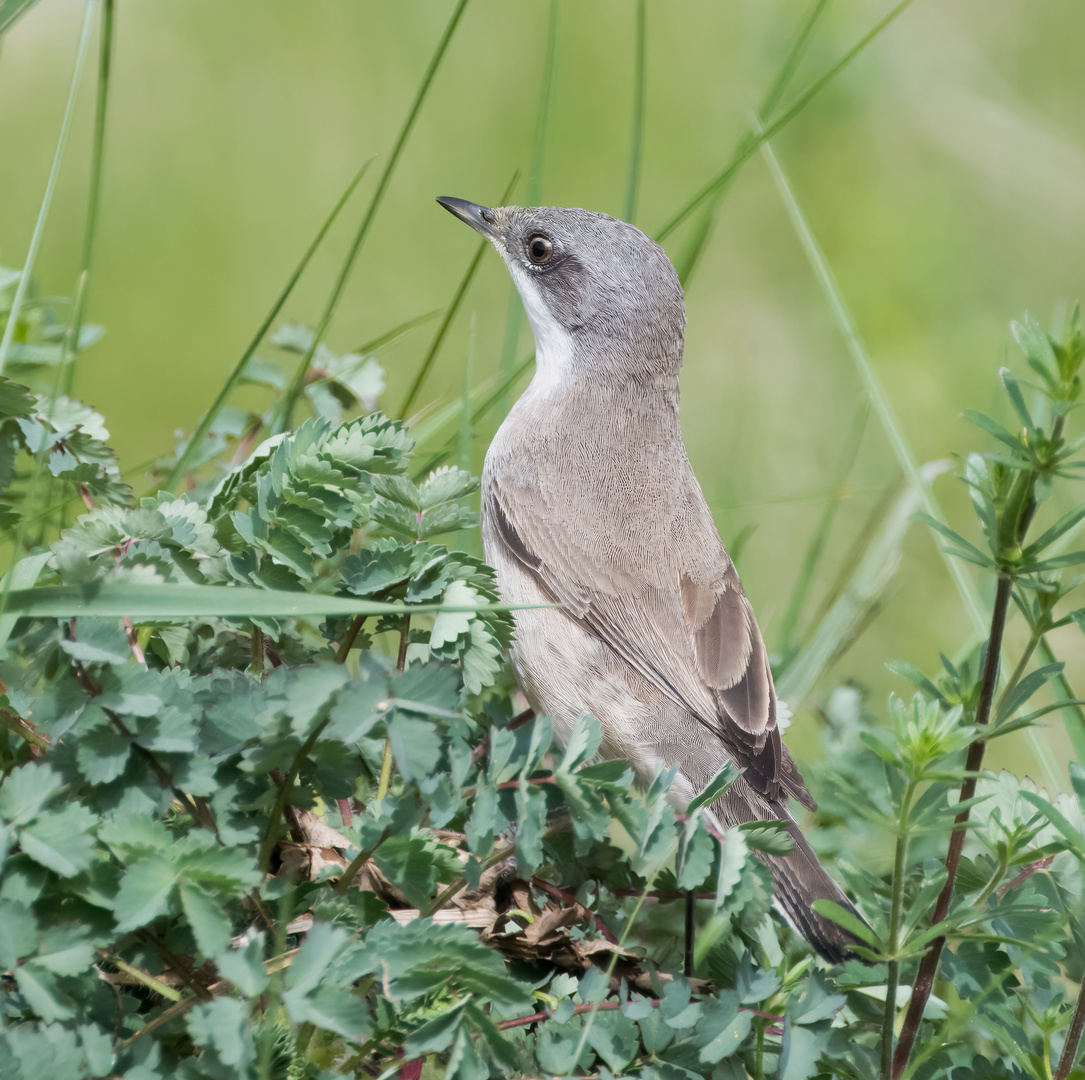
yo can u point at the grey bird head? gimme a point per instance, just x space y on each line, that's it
600 295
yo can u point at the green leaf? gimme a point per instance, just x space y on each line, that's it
15 400
445 484
583 744
1059 820
733 854
65 950
210 926
98 641
613 1038
829 909
244 967
321 946
61 840
224 1025
716 787
695 856
799 1053
144 893
26 790
723 1029
1068 521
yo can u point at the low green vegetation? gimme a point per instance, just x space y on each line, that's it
271 805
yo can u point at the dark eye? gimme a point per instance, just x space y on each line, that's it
539 249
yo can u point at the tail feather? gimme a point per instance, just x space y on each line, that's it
799 880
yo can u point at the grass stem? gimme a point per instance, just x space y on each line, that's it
896 915
50 186
283 795
636 138
75 324
753 141
285 416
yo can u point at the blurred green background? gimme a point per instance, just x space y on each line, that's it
943 173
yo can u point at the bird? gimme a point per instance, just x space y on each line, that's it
592 518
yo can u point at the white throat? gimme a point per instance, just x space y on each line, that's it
553 343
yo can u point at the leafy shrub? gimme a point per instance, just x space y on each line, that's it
269 807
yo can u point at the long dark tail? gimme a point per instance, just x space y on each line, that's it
800 880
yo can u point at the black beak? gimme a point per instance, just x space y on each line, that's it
480 218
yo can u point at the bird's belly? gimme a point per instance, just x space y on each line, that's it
565 671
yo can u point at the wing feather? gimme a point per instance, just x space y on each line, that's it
699 644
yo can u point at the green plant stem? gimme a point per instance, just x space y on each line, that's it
50 186
22 729
759 1054
1073 1037
636 138
386 770
144 978
285 416
75 323
404 641
446 894
690 256
348 641
928 966
357 863
1034 639
238 370
896 914
271 832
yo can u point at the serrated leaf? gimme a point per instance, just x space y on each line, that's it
583 743
719 785
26 790
208 922
224 1025
144 893
445 484
244 967
723 1029
61 840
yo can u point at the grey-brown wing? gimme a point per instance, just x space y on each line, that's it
699 645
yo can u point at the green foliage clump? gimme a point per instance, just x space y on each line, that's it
268 807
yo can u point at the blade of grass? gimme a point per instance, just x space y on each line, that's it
636 138
501 388
285 415
390 337
690 256
818 542
749 144
450 314
50 185
75 324
11 11
872 384
152 602
515 311
883 408
238 370
463 538
465 408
